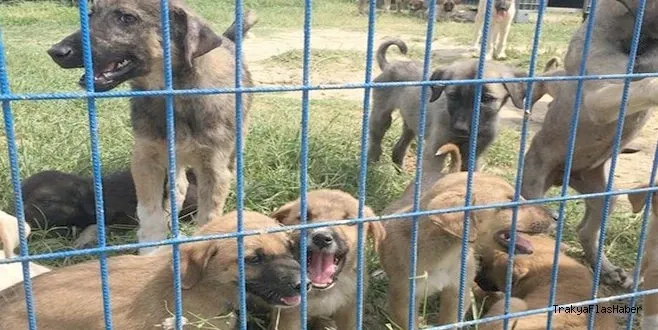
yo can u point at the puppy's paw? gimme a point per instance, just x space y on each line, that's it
617 277
501 56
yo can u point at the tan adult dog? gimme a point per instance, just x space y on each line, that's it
332 253
439 240
649 268
502 16
11 274
532 284
142 286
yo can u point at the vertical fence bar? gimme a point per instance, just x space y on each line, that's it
521 159
12 151
171 160
639 14
472 146
569 159
239 160
642 240
363 173
303 171
95 159
419 165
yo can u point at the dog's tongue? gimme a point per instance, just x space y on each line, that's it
523 246
322 268
291 301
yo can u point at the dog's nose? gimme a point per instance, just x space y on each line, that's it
298 285
322 240
59 52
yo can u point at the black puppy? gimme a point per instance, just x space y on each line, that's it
55 199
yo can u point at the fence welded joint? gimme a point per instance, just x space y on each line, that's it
394 217
273 89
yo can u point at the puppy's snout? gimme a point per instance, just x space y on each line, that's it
297 286
322 239
449 6
60 51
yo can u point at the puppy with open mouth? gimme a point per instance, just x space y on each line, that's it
331 258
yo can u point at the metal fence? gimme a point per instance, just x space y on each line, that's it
7 97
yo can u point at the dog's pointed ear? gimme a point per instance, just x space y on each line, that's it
375 228
637 199
437 90
285 214
198 38
516 90
452 223
194 259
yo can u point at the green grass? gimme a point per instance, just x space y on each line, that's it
55 134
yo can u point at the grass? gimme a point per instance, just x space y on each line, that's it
55 134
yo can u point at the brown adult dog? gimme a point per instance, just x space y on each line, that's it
332 253
141 286
532 283
439 240
126 46
649 268
601 100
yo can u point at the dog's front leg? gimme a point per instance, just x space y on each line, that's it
148 175
602 100
181 190
502 33
345 317
285 319
213 181
449 302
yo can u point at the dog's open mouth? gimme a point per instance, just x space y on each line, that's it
111 75
521 244
501 13
323 268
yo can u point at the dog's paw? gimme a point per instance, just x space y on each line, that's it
501 56
617 277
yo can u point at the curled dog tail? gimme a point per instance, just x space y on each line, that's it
248 21
455 156
381 51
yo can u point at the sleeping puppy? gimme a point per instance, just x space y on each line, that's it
439 241
332 253
531 283
11 274
449 109
141 286
57 199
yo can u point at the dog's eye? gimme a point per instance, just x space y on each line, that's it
486 98
127 18
254 259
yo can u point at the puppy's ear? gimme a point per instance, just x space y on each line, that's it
288 214
516 91
452 223
194 259
637 199
437 90
198 38
375 228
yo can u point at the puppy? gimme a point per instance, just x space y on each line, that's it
448 117
531 283
332 253
11 274
141 286
649 268
57 199
439 241
502 15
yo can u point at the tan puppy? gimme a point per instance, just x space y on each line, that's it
141 286
502 16
11 274
439 240
649 268
532 283
332 253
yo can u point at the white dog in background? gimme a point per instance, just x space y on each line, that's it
501 21
11 274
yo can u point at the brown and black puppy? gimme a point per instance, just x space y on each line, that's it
55 199
141 286
126 47
439 241
332 253
531 283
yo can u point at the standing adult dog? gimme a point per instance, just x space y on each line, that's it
332 253
126 46
448 117
501 22
141 286
545 159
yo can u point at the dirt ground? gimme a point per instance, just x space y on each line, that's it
632 169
